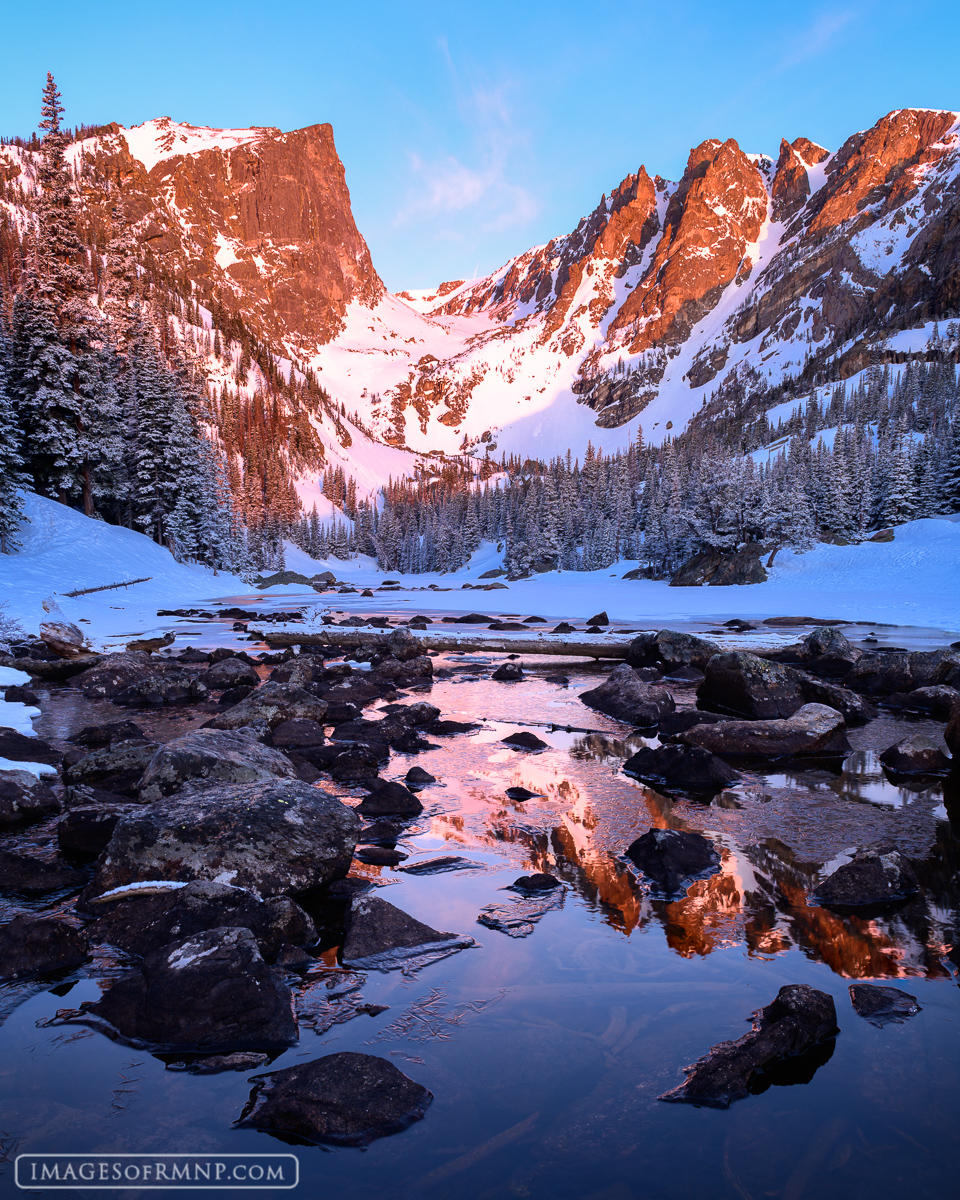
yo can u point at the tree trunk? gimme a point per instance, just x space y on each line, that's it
604 645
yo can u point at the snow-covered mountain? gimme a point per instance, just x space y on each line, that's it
746 274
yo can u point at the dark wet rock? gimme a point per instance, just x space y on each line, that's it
560 680
222 755
21 873
210 991
447 728
600 619
508 672
743 683
540 882
24 798
96 736
299 732
382 831
418 778
813 729
230 673
234 695
215 1064
406 673
565 627
517 918
145 922
932 667
379 935
886 671
273 703
345 1099
115 673
826 651
21 694
415 715
469 619
118 768
83 796
380 856
672 859
800 1018
161 691
441 865
524 740
917 755
951 735
390 799
856 710
390 731
626 698
339 713
86 832
20 747
191 656
939 700
293 958
30 945
508 627
882 1005
680 721
402 645
272 837
357 764
298 672
872 877
680 767
521 793
670 649
687 675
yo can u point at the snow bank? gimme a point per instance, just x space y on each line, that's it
64 551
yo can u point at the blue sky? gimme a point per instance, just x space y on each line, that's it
471 131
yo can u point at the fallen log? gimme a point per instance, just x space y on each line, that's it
603 645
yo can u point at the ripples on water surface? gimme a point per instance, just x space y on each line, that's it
546 1053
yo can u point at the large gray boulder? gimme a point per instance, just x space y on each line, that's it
115 673
224 755
24 798
882 671
827 652
813 729
742 683
272 837
624 696
228 673
209 991
273 703
346 1099
172 689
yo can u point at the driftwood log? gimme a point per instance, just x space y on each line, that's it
603 645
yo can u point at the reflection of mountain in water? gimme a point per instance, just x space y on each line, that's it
758 898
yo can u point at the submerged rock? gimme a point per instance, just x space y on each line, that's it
517 918
346 1099
813 729
882 1005
680 767
30 945
209 991
625 697
272 837
872 877
798 1019
672 859
214 1064
521 793
381 935
440 866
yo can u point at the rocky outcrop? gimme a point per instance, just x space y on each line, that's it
719 569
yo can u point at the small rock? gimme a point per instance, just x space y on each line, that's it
380 856
418 778
230 673
525 740
540 882
798 1019
565 627
518 918
521 793
871 877
827 652
917 755
389 798
600 619
671 650
938 700
358 764
273 703
380 935
293 958
680 767
672 859
750 686
346 1099
882 1005
163 691
118 768
508 672
560 680
30 945
214 1064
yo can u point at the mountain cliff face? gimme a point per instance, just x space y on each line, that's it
746 274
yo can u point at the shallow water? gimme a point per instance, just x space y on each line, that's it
546 1054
